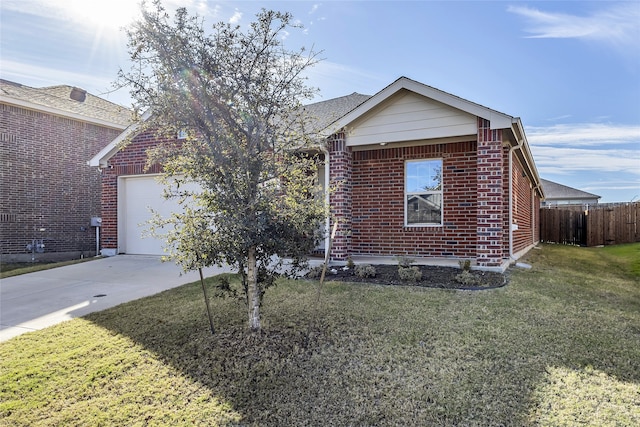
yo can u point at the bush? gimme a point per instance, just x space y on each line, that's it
315 272
410 274
465 265
404 261
467 279
350 263
365 270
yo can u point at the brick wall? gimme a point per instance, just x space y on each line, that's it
46 183
378 203
522 209
490 196
131 160
340 197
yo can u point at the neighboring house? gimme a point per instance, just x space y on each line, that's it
558 194
416 171
48 192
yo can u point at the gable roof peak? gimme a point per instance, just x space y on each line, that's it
498 120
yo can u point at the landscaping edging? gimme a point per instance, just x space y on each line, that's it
436 277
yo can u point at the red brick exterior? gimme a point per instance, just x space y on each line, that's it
341 181
46 183
129 161
378 203
367 198
490 196
368 201
525 209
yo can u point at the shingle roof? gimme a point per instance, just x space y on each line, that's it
323 113
554 191
60 98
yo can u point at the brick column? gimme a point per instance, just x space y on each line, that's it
489 196
340 163
109 213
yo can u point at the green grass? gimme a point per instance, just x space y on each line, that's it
559 345
16 269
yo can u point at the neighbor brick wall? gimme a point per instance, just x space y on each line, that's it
131 160
45 181
378 203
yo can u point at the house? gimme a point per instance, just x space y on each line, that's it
558 194
49 194
416 171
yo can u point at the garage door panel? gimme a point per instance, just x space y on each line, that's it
140 196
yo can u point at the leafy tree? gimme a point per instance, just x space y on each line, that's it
236 96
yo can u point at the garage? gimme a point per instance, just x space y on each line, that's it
138 197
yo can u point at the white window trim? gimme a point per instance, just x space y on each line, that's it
407 193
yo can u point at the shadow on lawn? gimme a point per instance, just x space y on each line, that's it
382 356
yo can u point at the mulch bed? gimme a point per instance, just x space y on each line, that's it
432 277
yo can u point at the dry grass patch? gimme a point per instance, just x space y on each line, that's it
558 345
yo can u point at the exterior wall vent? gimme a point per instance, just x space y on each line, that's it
78 94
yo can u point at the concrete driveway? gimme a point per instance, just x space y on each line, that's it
37 300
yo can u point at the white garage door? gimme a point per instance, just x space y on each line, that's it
137 196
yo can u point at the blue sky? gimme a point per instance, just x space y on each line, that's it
570 70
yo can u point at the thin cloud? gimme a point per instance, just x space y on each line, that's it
236 17
596 148
617 25
36 76
565 161
613 185
584 134
45 76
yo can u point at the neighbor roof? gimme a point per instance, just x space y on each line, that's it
323 113
320 115
555 191
66 101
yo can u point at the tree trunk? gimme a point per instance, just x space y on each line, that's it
253 291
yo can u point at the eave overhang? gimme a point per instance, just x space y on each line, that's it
518 139
101 160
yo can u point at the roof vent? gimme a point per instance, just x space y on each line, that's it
78 94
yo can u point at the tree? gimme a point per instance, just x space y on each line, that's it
237 97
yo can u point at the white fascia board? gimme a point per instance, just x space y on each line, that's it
498 120
57 112
101 159
525 149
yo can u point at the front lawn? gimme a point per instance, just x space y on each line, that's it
559 345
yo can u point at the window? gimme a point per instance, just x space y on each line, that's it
423 192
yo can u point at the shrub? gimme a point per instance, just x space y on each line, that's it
404 261
465 265
350 263
365 270
315 272
467 279
410 274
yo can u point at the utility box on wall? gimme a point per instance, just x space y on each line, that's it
96 221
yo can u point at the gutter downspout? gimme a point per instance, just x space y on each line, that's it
536 189
327 200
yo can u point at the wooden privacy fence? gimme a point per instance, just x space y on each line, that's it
606 224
